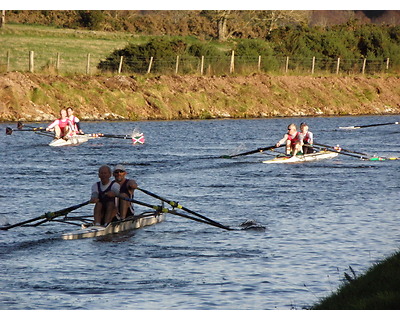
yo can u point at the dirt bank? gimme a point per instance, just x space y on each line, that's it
36 97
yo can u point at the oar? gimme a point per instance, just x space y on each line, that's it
48 215
175 204
20 126
116 136
344 150
370 158
162 209
369 125
249 152
9 130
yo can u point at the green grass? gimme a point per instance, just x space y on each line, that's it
72 45
377 289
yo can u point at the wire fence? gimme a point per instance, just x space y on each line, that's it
42 62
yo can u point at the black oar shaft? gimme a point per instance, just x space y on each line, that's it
345 150
251 152
48 215
332 149
370 125
162 209
175 204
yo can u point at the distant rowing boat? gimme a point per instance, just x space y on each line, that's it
322 155
75 140
135 222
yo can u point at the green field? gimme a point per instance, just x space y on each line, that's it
46 42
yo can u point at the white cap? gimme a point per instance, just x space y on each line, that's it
119 167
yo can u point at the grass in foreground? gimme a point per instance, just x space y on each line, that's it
377 289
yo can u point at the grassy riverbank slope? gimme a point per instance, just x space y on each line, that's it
377 289
38 97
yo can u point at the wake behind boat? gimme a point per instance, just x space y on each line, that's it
132 223
321 155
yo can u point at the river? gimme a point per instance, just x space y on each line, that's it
317 218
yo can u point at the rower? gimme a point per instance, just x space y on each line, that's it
127 188
293 140
308 138
62 126
103 195
75 122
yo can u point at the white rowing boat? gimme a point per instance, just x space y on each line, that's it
135 222
75 140
322 155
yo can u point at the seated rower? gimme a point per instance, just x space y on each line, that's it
293 140
308 138
104 194
62 126
75 122
127 188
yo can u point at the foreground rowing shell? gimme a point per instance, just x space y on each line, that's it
72 141
322 155
137 222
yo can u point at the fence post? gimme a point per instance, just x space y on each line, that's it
287 65
120 64
150 64
387 64
58 62
8 60
202 65
364 65
177 65
3 18
232 67
31 62
338 66
313 65
259 63
88 64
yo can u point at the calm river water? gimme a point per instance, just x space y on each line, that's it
319 218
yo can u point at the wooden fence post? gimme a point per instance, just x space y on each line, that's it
120 64
259 63
287 65
58 59
338 66
3 18
177 65
8 60
387 64
88 64
232 66
150 64
313 65
31 62
202 65
364 65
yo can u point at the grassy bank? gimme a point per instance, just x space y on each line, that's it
377 289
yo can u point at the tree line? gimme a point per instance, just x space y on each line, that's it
348 42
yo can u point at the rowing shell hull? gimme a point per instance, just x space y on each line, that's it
72 141
137 222
323 155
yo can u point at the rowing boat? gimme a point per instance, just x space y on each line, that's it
75 140
135 222
322 155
